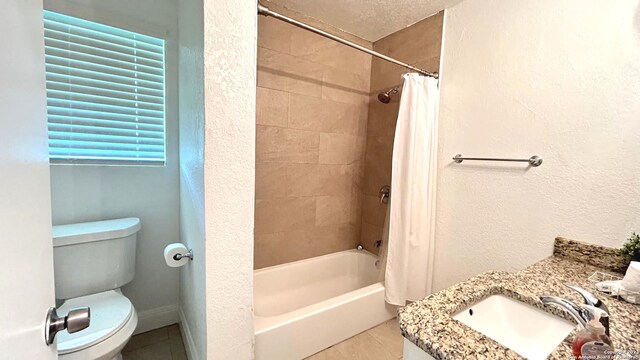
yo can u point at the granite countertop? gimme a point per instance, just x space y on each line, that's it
428 322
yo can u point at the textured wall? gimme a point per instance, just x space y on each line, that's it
555 78
419 44
191 99
312 101
88 193
230 32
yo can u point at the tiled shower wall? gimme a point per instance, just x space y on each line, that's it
312 107
419 45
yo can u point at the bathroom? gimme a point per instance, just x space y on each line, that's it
266 135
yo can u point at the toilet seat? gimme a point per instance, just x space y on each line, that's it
113 320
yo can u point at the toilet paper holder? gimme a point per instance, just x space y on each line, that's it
187 255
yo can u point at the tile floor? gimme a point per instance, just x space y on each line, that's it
160 344
382 342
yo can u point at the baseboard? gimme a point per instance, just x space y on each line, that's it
156 318
187 338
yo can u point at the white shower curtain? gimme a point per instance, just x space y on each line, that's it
408 274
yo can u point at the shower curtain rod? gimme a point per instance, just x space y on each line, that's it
263 10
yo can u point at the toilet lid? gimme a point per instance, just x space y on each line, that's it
110 311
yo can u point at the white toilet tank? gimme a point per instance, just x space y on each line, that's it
94 256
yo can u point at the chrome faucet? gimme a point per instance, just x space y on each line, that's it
580 314
594 308
589 298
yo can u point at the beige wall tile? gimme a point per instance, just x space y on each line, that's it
424 37
382 117
343 86
374 180
293 146
340 149
286 145
274 34
306 112
267 249
305 239
338 238
307 80
276 215
358 173
302 146
321 240
388 75
316 48
369 233
319 180
311 113
364 118
372 211
378 160
356 207
316 116
297 244
335 180
303 180
284 72
270 180
270 144
272 107
269 73
333 210
379 151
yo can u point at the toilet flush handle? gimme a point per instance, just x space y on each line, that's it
77 319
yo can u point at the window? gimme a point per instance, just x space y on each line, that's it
105 93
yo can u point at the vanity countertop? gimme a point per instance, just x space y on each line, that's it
428 323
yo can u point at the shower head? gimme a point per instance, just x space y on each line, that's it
385 97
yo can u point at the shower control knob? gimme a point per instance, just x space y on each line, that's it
77 319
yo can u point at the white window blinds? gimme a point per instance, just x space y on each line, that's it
105 93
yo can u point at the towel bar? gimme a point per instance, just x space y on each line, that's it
534 161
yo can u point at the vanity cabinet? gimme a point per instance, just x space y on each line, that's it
412 352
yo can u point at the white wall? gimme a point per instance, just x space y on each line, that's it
191 99
230 36
217 174
88 193
556 78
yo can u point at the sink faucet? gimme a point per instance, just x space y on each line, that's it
589 298
581 313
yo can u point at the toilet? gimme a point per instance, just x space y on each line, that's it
92 261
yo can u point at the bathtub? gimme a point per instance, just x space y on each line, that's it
309 305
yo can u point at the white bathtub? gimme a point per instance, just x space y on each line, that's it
309 305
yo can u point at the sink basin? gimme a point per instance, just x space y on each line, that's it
529 331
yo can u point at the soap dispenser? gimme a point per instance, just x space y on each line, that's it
591 342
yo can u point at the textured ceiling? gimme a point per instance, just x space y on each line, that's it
370 20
